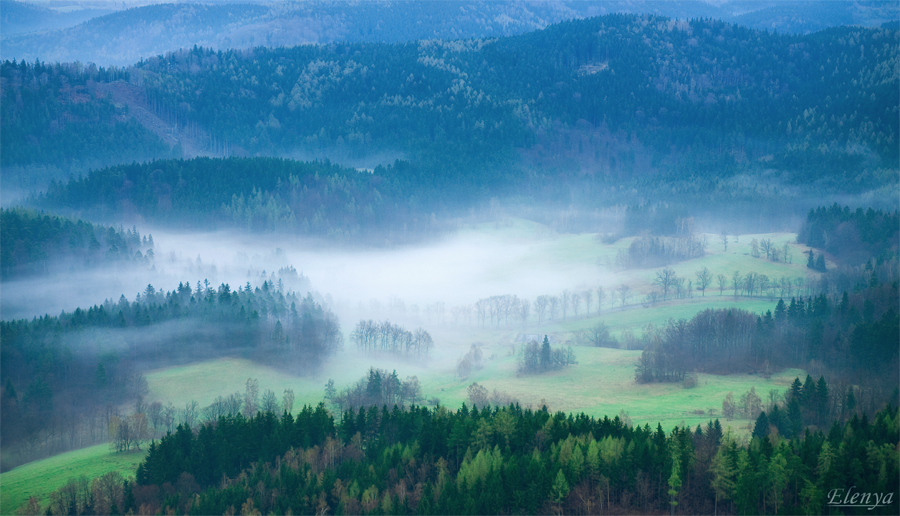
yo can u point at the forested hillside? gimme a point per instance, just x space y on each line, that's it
672 84
31 243
583 113
51 116
686 85
264 194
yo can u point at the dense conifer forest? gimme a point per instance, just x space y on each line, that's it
318 199
51 115
497 460
33 244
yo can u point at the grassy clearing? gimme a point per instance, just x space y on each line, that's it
42 477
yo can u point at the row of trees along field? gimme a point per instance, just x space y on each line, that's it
259 194
391 339
51 115
32 243
500 460
70 368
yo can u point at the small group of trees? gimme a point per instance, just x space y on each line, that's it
471 360
378 388
539 358
816 263
598 336
479 397
772 251
384 337
650 251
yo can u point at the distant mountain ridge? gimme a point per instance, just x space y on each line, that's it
124 37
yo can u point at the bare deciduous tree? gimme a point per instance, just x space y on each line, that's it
540 305
624 293
704 279
287 400
665 279
524 312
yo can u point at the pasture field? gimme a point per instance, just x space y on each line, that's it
40 478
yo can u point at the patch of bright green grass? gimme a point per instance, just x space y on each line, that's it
40 478
204 381
602 384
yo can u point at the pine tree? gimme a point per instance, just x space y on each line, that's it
674 481
820 263
761 429
545 354
723 470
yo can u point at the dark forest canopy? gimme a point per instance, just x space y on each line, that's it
504 460
52 114
258 194
33 243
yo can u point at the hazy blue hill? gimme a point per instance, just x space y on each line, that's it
20 17
124 37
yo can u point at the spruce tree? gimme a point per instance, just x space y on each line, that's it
761 429
820 263
545 354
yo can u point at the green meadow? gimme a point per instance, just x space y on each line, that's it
42 477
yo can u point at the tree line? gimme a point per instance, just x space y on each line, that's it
418 460
384 337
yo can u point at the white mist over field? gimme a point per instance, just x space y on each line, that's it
380 283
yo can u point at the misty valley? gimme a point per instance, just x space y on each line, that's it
450 257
